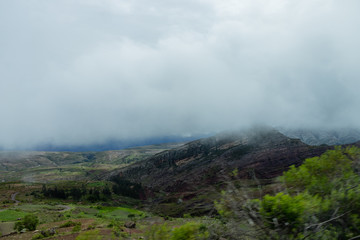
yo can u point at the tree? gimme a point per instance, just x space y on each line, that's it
29 222
323 199
320 199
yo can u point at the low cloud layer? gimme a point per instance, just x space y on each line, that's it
86 71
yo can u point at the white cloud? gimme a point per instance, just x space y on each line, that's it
80 72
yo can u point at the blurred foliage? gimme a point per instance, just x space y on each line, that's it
189 231
69 224
89 235
320 200
321 175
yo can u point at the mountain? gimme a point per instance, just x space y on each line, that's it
262 152
323 136
194 173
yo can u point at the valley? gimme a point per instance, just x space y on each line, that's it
150 191
55 166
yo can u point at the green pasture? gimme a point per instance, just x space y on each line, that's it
10 215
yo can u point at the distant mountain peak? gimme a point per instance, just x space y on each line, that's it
316 137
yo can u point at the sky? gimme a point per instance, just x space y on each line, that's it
85 71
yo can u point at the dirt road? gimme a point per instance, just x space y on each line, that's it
13 196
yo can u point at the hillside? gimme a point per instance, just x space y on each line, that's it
194 173
323 136
51 166
264 153
198 170
176 181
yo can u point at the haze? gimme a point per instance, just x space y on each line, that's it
86 71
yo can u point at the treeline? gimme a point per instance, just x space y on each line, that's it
77 193
126 188
103 192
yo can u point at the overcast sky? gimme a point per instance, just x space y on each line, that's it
85 71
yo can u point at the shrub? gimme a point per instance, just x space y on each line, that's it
37 236
190 231
76 228
89 235
320 200
70 224
158 232
44 234
320 175
288 213
29 222
91 226
324 199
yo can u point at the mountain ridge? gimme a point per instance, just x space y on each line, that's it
336 136
264 152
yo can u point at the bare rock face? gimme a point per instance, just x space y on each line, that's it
263 153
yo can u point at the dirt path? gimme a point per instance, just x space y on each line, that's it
13 196
66 207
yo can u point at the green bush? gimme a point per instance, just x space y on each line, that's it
29 222
323 200
320 175
287 212
159 232
70 224
44 234
37 236
76 228
19 226
91 226
320 200
89 235
190 231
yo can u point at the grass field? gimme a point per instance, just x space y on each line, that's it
54 212
10 215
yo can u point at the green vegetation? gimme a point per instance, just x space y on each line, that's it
89 235
29 222
188 231
120 213
287 212
76 228
69 224
11 215
323 199
44 234
93 191
64 166
126 188
319 199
